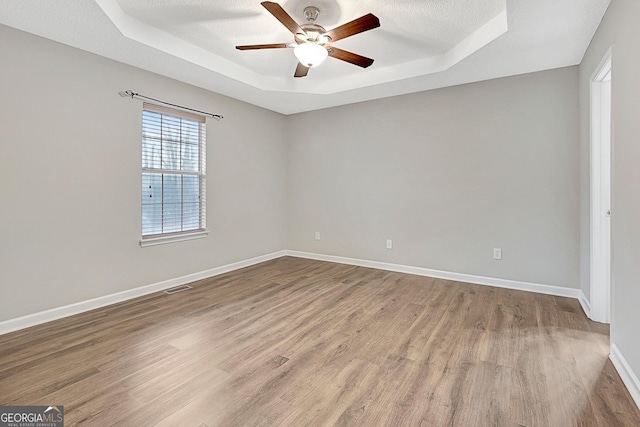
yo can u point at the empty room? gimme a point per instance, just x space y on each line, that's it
320 213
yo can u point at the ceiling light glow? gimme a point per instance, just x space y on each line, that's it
310 54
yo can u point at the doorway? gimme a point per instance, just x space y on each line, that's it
600 274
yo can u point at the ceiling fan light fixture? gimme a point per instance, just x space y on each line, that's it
310 54
312 43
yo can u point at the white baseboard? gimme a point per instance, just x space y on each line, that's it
83 306
439 274
586 305
80 307
629 378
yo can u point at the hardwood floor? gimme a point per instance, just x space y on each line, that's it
296 342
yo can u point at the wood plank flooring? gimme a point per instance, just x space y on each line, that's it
295 342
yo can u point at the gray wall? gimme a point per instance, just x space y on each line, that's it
620 29
70 178
448 175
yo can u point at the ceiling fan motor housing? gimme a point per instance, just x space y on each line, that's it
314 33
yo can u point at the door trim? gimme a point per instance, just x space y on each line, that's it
600 191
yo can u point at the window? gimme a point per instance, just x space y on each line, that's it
173 175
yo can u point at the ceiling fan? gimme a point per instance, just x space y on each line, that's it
312 43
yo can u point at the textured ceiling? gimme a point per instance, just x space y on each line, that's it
411 29
209 41
421 44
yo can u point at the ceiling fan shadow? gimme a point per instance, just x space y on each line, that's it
184 15
423 45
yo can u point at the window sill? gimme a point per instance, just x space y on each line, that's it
161 240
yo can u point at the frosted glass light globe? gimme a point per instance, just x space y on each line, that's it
310 54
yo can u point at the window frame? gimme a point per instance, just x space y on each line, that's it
183 235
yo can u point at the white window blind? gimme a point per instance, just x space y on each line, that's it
173 172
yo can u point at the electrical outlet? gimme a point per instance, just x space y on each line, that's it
497 253
317 235
389 244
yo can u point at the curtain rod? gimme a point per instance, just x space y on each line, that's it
132 94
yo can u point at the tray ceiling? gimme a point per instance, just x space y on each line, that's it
420 45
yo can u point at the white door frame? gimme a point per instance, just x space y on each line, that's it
601 142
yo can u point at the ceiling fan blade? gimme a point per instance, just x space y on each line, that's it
262 46
343 55
364 23
301 71
281 15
